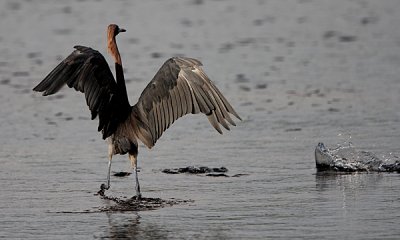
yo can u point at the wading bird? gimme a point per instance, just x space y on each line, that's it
179 87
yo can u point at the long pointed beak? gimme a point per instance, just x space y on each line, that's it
122 30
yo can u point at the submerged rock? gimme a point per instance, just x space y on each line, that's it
121 174
203 171
217 175
349 159
195 170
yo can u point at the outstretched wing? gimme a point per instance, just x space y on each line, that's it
180 87
87 71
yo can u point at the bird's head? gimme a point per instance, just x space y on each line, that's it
113 30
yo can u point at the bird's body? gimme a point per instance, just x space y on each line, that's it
180 87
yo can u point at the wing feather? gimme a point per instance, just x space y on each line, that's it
201 101
175 104
182 99
87 71
214 122
151 124
179 88
191 103
159 123
163 110
221 113
170 111
220 107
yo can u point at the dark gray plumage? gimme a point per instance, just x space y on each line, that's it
87 71
179 87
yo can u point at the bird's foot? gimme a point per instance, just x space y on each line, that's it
100 192
138 197
103 188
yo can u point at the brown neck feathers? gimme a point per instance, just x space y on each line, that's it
112 47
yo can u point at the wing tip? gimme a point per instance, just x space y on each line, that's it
238 117
234 113
45 92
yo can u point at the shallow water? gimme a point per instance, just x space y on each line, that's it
298 73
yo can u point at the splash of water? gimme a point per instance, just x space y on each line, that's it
347 158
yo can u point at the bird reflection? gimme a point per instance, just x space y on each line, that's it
128 226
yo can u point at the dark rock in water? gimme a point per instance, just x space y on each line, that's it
209 172
121 174
195 170
220 170
240 175
170 171
349 159
217 175
395 167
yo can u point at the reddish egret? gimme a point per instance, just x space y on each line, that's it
179 87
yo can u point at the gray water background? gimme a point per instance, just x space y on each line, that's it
298 72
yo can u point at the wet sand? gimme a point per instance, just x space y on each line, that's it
298 73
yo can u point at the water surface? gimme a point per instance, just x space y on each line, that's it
298 72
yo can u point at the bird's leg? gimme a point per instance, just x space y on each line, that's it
107 185
138 194
133 159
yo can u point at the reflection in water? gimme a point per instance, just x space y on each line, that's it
131 225
128 226
353 181
350 185
355 204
